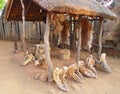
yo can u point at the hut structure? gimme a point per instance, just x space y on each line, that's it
41 10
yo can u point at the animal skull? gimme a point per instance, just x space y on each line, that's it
90 63
29 58
73 71
102 64
59 75
85 71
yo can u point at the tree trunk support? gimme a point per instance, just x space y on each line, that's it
79 41
47 47
100 38
23 31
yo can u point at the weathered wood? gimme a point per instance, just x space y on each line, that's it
3 28
71 33
28 7
15 37
79 41
7 14
47 48
74 33
23 31
11 30
100 38
18 31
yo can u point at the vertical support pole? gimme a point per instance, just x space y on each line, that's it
3 28
40 32
100 38
38 29
18 30
79 41
47 47
23 31
15 36
71 40
10 35
74 34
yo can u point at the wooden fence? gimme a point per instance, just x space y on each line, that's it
10 30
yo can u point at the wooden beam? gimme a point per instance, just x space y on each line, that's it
23 31
28 7
8 12
47 47
79 41
39 13
100 38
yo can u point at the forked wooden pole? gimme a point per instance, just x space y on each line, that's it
79 41
23 31
100 38
47 47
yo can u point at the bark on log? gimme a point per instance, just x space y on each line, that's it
79 42
23 31
100 38
47 48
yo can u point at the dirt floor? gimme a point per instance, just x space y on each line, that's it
16 79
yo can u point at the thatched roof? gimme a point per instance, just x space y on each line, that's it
82 7
32 11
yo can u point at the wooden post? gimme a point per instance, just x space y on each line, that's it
79 41
100 38
23 31
38 29
47 48
74 34
18 30
15 36
71 33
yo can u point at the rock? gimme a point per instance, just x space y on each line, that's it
37 76
43 77
65 54
52 91
75 87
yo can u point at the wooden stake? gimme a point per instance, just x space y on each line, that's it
47 48
100 38
23 31
79 42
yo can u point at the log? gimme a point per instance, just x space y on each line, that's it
100 38
23 31
47 48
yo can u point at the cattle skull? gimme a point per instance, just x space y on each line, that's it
102 64
73 71
59 75
85 71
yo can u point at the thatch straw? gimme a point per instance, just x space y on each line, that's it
80 7
83 7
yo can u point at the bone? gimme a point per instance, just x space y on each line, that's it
37 62
59 77
90 63
102 64
87 72
73 71
65 54
28 59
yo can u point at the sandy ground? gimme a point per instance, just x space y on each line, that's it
16 79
